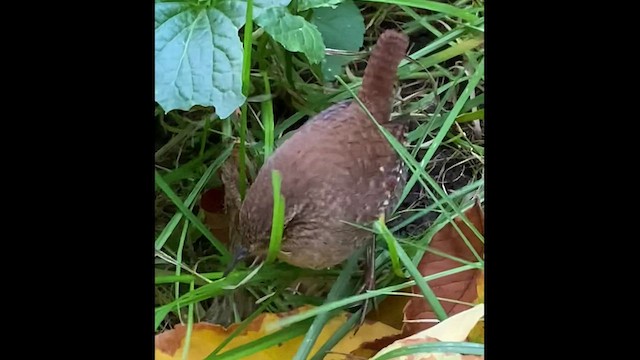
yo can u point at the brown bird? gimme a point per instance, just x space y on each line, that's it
337 169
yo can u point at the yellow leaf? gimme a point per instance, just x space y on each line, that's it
477 333
480 289
454 329
391 310
206 337
457 327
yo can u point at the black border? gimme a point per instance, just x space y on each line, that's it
538 161
100 241
91 126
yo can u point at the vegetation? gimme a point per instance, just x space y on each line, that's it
243 75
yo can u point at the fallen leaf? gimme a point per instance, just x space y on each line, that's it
391 310
457 327
480 289
477 333
215 217
370 348
454 329
459 287
221 205
206 337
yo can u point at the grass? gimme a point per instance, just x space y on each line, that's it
277 222
441 89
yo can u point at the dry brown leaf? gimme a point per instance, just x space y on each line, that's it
460 286
454 329
221 205
206 337
212 204
370 348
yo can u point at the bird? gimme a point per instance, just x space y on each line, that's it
336 170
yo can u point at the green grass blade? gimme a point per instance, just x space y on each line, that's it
183 237
284 125
337 336
187 338
457 212
277 224
382 229
441 56
246 85
267 118
173 223
466 348
247 278
186 171
431 124
194 220
421 20
161 313
240 328
441 222
186 279
429 295
221 285
338 304
473 82
472 103
455 195
435 252
433 6
265 342
338 290
435 44
164 256
418 170
468 117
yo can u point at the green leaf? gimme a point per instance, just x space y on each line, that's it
312 4
342 28
236 9
332 66
198 54
293 32
198 59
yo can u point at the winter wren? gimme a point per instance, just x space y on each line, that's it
337 169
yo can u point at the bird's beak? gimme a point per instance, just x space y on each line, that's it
239 253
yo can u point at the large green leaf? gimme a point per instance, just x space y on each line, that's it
293 32
198 54
311 4
342 28
236 9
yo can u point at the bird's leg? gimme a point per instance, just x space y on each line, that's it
369 280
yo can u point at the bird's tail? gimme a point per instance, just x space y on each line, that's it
376 92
